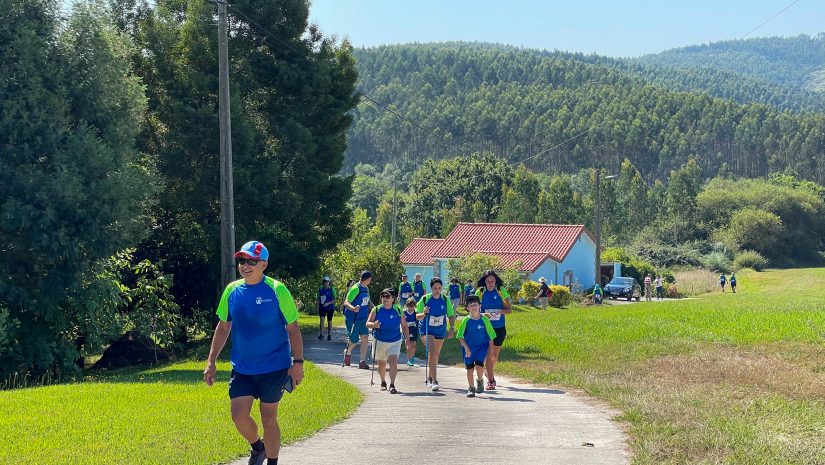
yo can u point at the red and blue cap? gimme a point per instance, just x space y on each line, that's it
254 250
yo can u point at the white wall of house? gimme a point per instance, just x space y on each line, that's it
425 270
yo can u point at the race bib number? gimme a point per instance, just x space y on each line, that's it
495 315
323 299
436 320
365 302
417 294
412 324
405 295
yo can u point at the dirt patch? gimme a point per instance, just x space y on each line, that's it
767 371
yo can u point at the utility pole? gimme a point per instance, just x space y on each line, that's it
227 191
394 215
598 230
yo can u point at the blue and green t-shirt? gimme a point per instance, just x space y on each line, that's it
492 302
326 297
419 290
259 314
441 309
390 319
358 296
476 333
455 291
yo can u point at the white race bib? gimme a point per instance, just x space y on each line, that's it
405 295
436 320
412 324
495 315
323 299
365 302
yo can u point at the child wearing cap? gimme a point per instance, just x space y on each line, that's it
388 325
412 328
475 334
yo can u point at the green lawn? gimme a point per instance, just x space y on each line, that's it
157 416
725 378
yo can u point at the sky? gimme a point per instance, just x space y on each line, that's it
614 28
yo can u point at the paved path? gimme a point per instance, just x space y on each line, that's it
516 424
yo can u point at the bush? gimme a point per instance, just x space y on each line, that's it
717 261
750 259
561 296
668 277
529 289
672 292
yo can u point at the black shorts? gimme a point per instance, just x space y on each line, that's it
326 312
268 387
501 334
475 363
413 333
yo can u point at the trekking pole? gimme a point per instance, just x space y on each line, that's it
372 354
426 349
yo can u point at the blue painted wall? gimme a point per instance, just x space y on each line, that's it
426 273
582 261
550 270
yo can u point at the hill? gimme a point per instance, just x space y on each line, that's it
564 112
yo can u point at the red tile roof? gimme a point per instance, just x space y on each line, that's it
532 244
420 251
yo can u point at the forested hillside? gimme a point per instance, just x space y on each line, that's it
568 112
797 62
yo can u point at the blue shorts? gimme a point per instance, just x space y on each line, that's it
327 312
268 387
360 330
476 358
438 332
413 333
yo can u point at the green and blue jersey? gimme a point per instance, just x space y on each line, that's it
390 319
492 302
358 296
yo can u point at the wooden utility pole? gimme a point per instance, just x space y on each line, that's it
598 229
227 190
394 215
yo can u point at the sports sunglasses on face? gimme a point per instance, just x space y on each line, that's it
248 261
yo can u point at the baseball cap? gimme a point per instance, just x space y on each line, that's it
253 249
366 275
326 278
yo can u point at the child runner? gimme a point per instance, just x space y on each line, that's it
418 288
412 328
434 309
494 305
733 282
357 306
405 290
468 289
388 325
326 307
722 281
455 293
476 336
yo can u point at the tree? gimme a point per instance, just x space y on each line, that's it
519 203
74 188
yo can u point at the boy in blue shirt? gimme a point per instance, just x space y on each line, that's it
475 334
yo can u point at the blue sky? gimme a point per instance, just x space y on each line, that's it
613 28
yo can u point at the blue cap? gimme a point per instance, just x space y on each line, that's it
253 249
366 275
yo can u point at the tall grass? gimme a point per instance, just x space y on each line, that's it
696 282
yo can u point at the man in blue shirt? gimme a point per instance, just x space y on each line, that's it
260 314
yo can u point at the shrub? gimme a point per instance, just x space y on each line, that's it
529 289
561 296
750 259
717 261
672 292
668 277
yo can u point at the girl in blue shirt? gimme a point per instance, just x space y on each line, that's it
435 310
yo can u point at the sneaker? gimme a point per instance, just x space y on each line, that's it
321 336
435 385
429 381
363 365
471 392
383 385
410 363
491 386
480 385
347 359
257 457
329 337
392 389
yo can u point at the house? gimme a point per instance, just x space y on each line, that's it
564 254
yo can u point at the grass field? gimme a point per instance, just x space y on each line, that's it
158 416
725 378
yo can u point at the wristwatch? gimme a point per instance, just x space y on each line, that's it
297 360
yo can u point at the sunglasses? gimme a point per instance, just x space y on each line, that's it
386 296
248 261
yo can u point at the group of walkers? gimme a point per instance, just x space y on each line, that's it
260 315
732 281
410 313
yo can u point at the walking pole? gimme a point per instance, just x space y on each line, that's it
426 349
372 376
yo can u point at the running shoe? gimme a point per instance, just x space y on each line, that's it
480 385
329 337
471 392
383 385
321 336
435 385
347 359
257 457
363 365
410 363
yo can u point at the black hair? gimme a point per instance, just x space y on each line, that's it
436 280
472 299
350 282
454 280
482 283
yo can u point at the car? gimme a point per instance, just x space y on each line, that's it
623 286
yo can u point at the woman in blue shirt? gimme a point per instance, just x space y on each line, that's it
388 325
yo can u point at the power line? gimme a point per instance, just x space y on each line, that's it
771 18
